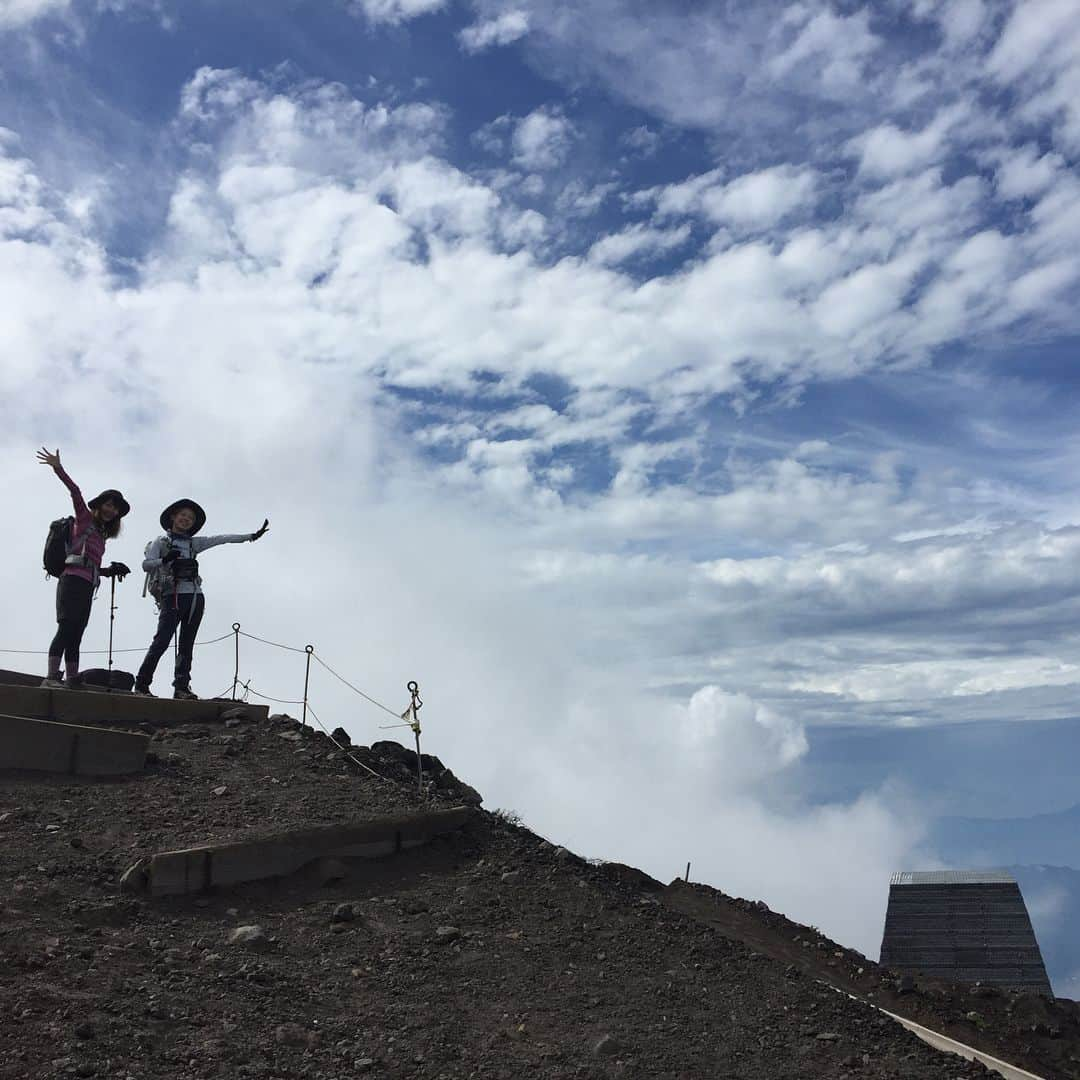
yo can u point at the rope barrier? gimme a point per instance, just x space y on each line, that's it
355 689
102 652
276 644
267 697
406 719
354 760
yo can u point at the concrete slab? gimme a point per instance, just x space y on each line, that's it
115 709
44 746
191 870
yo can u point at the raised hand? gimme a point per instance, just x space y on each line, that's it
52 460
262 529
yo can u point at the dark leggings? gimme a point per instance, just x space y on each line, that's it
186 611
74 596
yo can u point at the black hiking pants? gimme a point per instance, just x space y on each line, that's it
74 595
184 610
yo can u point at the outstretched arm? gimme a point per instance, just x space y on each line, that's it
201 543
82 511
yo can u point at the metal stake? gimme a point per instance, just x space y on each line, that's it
309 649
236 669
414 722
687 873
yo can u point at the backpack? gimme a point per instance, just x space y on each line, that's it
57 546
108 680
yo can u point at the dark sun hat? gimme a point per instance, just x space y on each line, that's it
184 504
118 501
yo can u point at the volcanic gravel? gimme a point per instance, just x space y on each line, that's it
489 953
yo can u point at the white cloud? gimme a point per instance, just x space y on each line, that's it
542 140
503 29
637 240
16 13
838 46
887 151
761 199
395 11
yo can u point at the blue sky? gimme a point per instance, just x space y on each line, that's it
686 393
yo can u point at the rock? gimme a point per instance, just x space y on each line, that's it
250 937
905 985
511 877
84 1030
364 1064
223 790
292 736
340 735
416 907
343 913
446 934
827 1036
84 1068
606 1046
235 716
291 1035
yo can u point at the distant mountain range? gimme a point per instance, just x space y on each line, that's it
1051 839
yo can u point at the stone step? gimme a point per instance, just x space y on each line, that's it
196 869
115 708
44 746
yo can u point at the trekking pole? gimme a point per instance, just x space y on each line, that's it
309 649
112 619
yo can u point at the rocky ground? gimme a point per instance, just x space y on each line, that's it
487 954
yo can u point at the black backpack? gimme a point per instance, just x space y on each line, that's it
108 680
57 546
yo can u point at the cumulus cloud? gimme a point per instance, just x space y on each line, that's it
503 29
637 240
395 11
15 13
542 140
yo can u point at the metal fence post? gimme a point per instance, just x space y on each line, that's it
309 649
236 668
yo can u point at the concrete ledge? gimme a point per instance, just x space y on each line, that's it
172 873
115 709
43 746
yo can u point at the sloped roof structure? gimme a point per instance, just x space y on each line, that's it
963 926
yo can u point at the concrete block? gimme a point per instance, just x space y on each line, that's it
195 869
31 701
114 709
44 746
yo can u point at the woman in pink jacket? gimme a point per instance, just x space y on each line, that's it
95 522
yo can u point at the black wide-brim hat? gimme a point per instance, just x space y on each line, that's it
118 501
184 504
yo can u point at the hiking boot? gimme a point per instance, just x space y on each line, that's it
183 693
52 684
144 691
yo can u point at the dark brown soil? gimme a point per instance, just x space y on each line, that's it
487 954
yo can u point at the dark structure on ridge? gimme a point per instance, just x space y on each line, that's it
962 926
